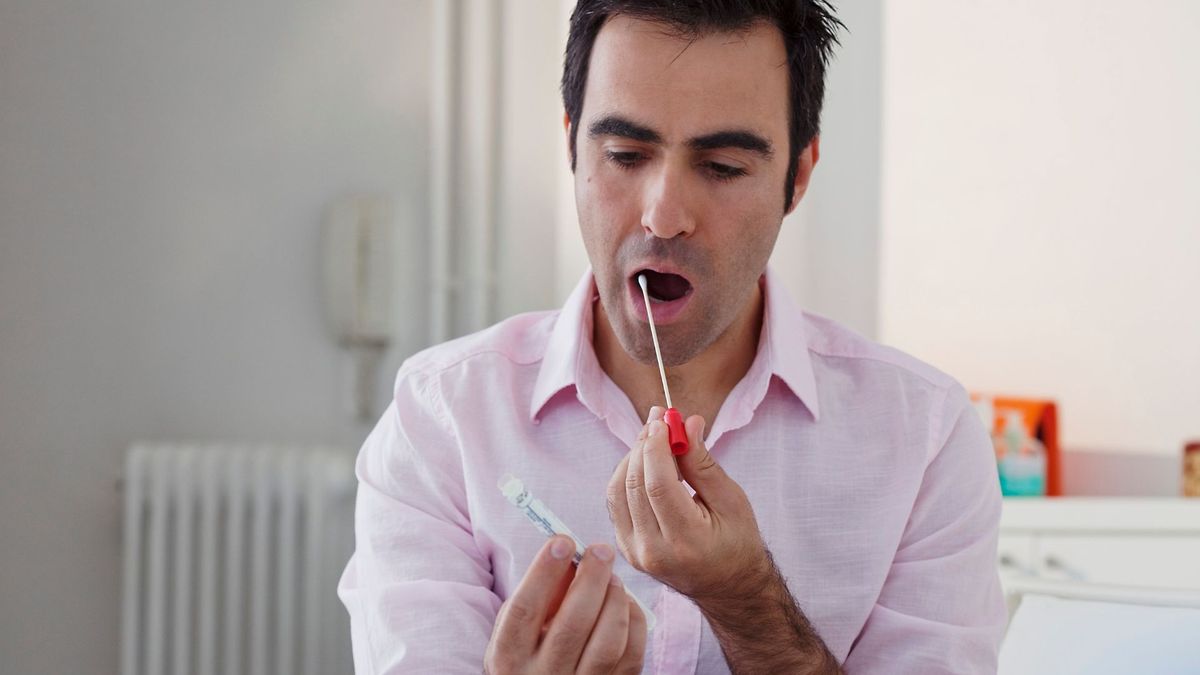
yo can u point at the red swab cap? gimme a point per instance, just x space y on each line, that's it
676 434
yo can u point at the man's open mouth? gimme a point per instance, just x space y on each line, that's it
664 286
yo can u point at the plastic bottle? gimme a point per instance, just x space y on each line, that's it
1020 458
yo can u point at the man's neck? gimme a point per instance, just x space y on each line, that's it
698 387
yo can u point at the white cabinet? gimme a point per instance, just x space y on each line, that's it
1149 543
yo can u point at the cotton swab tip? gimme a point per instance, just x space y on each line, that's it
642 283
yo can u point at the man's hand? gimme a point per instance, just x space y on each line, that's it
707 547
566 620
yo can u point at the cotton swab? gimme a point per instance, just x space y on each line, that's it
676 434
654 335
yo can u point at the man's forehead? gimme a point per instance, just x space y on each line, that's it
647 71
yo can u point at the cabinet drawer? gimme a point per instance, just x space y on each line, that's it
1158 561
1015 555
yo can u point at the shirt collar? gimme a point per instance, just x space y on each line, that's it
783 339
572 333
787 341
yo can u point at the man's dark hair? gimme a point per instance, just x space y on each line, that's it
809 30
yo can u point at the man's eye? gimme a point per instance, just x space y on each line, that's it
724 171
625 160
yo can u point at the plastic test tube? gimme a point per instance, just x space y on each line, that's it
519 496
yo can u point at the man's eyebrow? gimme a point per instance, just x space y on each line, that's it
735 138
611 125
614 125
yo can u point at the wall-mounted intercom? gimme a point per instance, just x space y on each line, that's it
357 248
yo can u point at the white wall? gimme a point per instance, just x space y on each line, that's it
163 171
530 159
1041 231
570 259
828 250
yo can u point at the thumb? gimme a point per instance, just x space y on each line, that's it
699 468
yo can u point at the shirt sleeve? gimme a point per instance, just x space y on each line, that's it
417 588
941 609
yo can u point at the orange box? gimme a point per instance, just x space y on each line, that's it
1041 422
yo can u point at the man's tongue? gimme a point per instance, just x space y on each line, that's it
666 287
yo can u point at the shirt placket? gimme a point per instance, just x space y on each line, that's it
675 642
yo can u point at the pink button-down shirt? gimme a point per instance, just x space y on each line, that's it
873 481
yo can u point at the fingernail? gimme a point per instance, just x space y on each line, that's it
603 552
656 428
652 416
561 548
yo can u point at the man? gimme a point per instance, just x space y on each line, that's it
845 504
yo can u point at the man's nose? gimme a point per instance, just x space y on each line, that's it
666 213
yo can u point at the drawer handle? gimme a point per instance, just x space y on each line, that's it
1010 562
1056 564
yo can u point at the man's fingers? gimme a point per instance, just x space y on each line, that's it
668 497
557 596
606 645
635 644
520 621
701 471
618 504
576 617
618 507
656 413
617 497
645 523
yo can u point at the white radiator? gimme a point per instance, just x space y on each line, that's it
232 555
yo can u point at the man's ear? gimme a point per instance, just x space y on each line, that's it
567 131
804 169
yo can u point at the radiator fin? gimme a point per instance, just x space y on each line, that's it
231 559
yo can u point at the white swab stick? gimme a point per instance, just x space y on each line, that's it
654 334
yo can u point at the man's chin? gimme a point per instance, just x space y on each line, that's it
633 333
637 346
640 348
